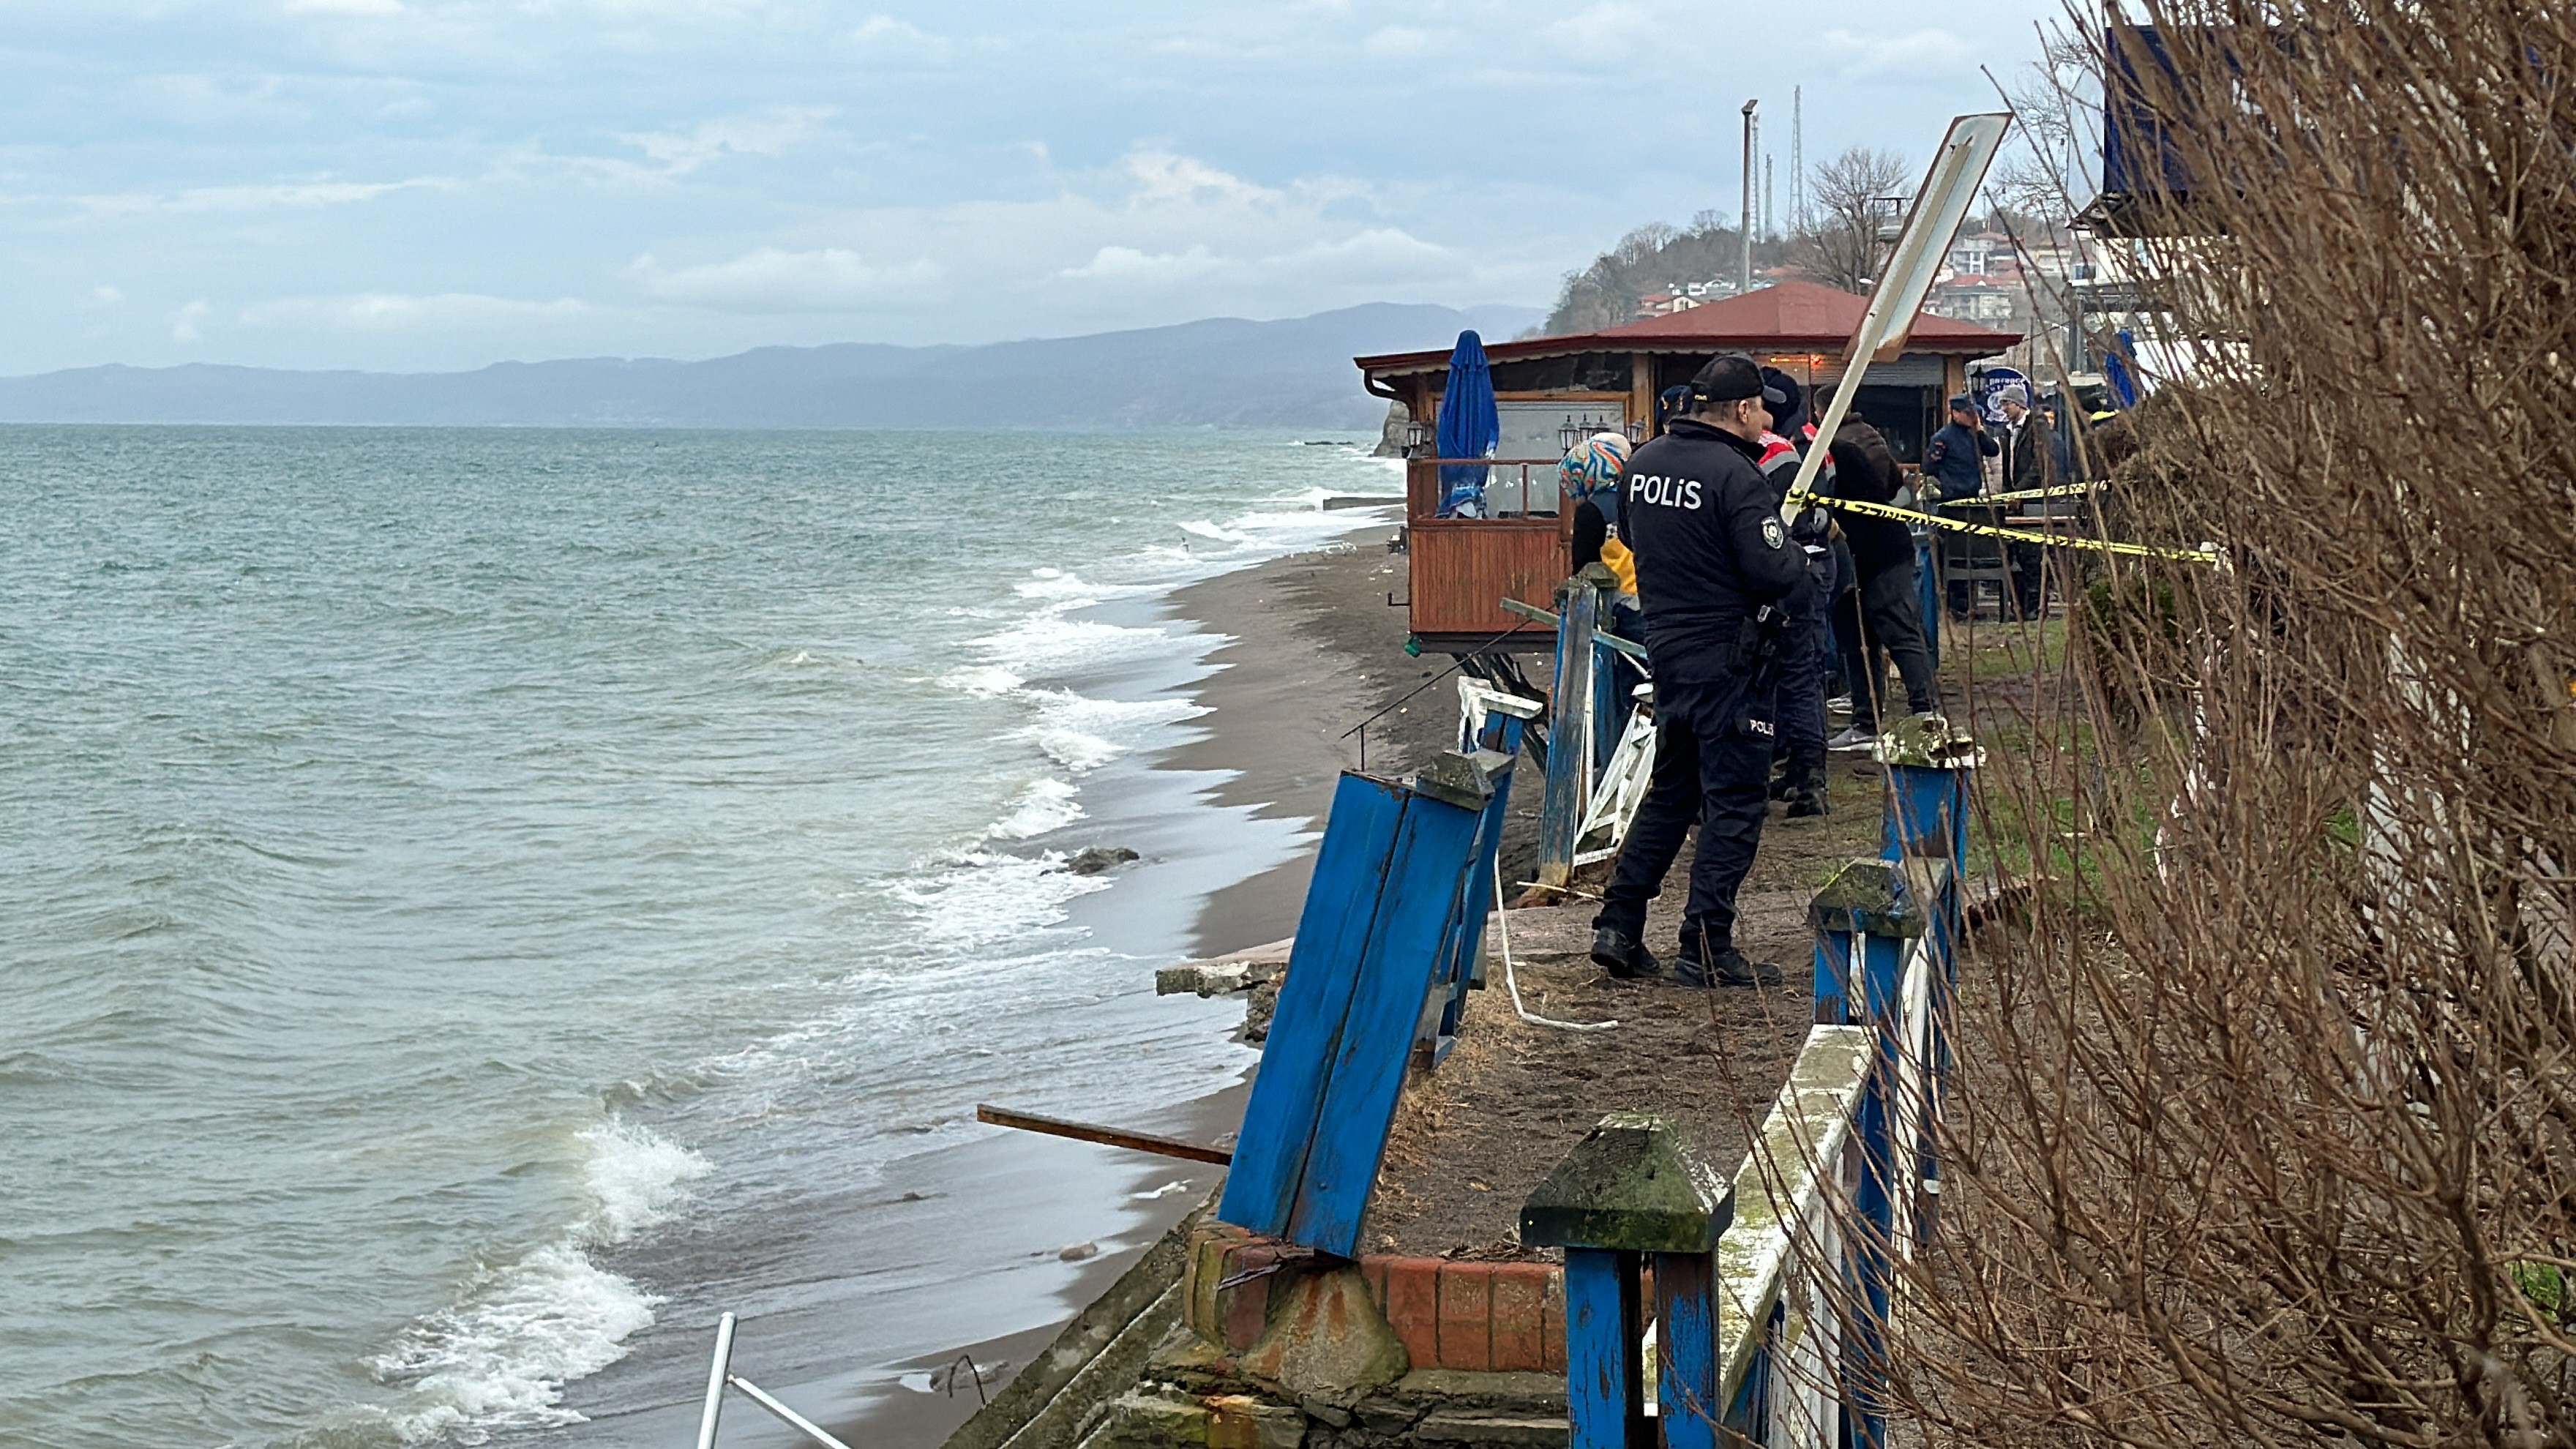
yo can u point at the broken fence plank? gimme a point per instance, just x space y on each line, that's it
1105 1136
1280 1119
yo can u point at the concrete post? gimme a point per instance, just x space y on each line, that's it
1631 1189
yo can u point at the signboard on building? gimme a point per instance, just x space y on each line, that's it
1991 384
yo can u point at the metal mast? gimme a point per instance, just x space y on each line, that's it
1797 159
1744 272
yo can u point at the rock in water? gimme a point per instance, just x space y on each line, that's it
1079 1251
1098 858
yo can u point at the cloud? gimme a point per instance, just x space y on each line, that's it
183 323
1400 42
1164 176
1611 29
103 295
1926 53
886 32
256 197
1379 256
194 99
679 153
1127 264
344 7
771 279
400 312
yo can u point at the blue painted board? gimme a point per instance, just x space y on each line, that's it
1686 1340
1604 1385
1425 879
1873 1237
1287 1094
1609 721
1463 951
1927 815
1462 943
1833 978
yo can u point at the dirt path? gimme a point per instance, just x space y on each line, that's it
1474 1137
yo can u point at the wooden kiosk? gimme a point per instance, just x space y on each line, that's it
1548 388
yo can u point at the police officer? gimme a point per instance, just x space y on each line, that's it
1713 565
1801 704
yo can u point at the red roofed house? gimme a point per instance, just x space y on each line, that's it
1463 568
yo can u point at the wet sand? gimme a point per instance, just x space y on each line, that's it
1314 651
1317 650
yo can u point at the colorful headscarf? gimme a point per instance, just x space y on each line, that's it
1592 471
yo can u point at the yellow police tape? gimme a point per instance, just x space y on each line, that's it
2013 535
2054 490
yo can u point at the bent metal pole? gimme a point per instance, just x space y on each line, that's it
716 1375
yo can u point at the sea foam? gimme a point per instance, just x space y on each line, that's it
498 1358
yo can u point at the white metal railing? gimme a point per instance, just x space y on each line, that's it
720 1375
1803 1273
1779 1266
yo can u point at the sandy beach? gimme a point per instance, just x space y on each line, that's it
1314 650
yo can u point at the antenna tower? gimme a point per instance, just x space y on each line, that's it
1797 159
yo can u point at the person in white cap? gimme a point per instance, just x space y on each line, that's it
2027 464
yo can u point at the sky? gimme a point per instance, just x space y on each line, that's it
435 184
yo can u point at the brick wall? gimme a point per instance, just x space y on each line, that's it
1478 1317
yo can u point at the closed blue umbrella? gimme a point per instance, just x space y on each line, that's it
1469 428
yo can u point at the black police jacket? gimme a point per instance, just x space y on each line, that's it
1705 527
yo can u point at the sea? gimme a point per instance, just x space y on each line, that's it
479 904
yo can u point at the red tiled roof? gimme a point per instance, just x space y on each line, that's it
1789 315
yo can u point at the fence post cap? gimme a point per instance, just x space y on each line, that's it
1463 780
1593 576
1633 1184
1868 897
1929 742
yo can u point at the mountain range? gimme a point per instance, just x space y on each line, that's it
1224 372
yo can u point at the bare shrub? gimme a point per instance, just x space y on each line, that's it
2263 1127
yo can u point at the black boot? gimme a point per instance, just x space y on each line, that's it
1728 967
1806 793
1623 955
1732 968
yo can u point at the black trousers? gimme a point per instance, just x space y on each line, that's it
1803 661
2029 564
1709 769
1883 621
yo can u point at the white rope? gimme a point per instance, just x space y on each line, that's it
1512 979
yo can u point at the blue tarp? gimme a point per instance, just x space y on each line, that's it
2118 370
1469 428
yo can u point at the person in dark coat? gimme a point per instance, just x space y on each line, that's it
1951 470
1884 620
2028 464
1714 563
1800 749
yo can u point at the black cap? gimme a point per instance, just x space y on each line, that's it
1959 403
1732 377
1786 409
